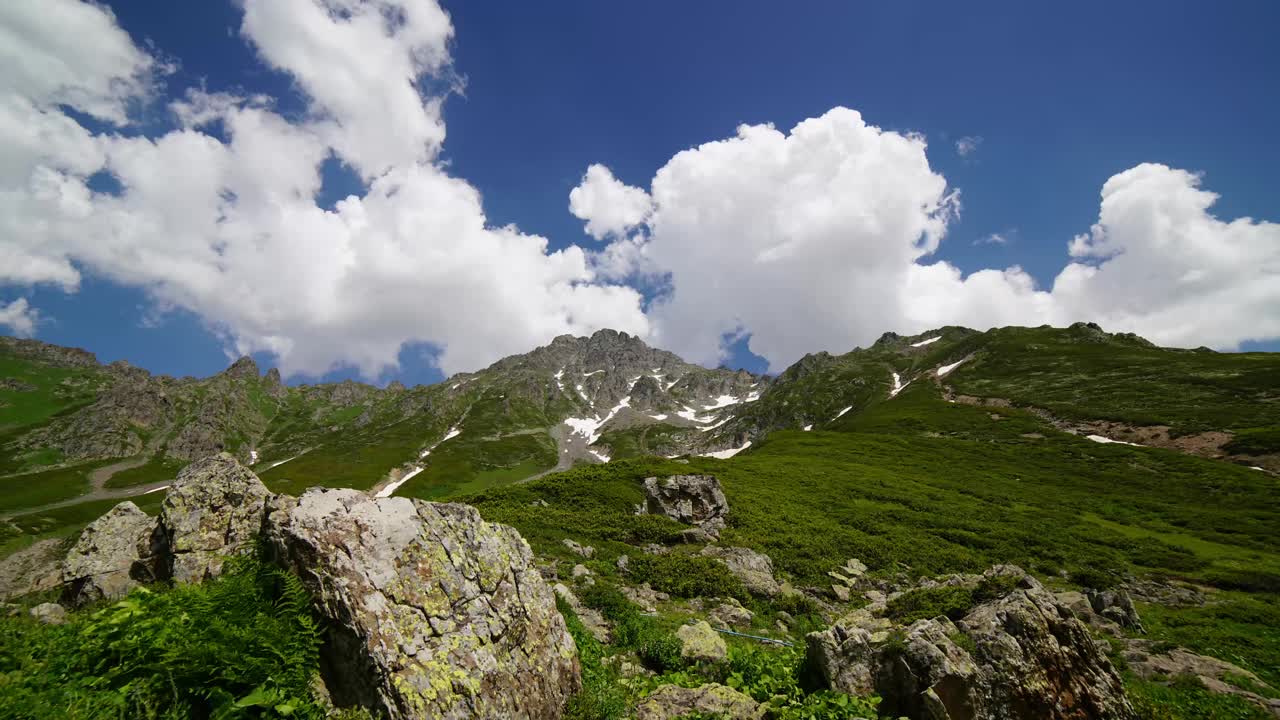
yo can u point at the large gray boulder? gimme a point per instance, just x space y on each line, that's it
113 555
431 611
672 701
213 510
754 569
691 499
1023 656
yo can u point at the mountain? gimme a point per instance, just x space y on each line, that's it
906 511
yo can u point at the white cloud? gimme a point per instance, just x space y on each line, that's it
609 206
231 231
995 238
19 317
968 145
818 240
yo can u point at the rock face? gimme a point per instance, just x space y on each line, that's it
432 611
672 701
113 555
700 643
213 510
754 569
1027 657
692 499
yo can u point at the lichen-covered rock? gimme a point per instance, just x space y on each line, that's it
730 614
49 613
432 612
754 569
213 510
1022 656
672 701
35 568
1116 606
113 555
701 643
692 499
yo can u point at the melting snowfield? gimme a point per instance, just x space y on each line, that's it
386 491
926 341
842 412
166 487
590 427
1109 441
807 428
253 457
898 385
599 455
726 454
948 368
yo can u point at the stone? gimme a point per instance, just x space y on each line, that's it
429 610
113 555
1213 674
690 499
730 614
49 613
754 569
585 551
714 700
1031 659
841 592
1116 606
581 571
622 563
701 643
213 511
644 596
591 618
35 568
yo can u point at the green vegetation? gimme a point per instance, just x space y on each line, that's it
684 575
1185 699
156 469
31 393
242 646
49 486
954 601
1082 374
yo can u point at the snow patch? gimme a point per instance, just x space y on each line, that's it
671 384
898 385
842 412
453 433
559 382
253 457
662 416
166 487
726 454
807 428
657 369
599 455
589 427
593 372
948 368
1109 441
926 341
386 491
691 415
752 397
706 428
278 463
722 401
1255 467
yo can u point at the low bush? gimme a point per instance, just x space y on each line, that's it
687 576
925 603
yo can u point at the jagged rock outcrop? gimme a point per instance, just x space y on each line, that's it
213 510
691 499
754 569
1022 656
113 555
432 612
1116 606
714 700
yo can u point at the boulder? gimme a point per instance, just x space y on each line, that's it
714 700
690 499
430 611
113 555
585 551
730 614
754 569
700 643
35 568
49 613
1021 656
1116 606
213 510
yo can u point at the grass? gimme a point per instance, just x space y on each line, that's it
49 486
51 390
156 469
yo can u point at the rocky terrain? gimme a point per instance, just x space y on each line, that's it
1023 523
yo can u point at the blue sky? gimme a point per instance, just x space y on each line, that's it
1061 98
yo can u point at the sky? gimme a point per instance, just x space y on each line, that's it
403 189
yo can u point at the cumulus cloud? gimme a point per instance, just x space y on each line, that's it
609 206
230 229
819 240
19 317
968 145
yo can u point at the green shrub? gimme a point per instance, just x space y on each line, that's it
601 696
660 652
1095 578
687 576
925 603
241 646
645 529
1182 700
994 587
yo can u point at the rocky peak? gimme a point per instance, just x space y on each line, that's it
243 368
